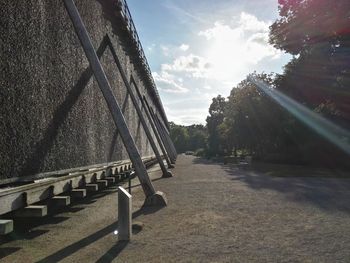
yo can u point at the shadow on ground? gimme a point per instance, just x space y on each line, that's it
111 254
25 227
331 194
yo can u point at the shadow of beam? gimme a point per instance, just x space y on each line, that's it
71 249
116 134
4 252
33 164
113 252
108 256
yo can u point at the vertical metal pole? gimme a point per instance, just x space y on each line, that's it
165 172
112 104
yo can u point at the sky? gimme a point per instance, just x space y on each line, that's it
198 49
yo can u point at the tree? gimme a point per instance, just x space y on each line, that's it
214 120
180 137
317 32
188 138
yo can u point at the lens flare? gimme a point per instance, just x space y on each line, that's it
332 132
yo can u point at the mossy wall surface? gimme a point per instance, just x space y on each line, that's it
53 115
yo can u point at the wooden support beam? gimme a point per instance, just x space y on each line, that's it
154 128
32 211
164 139
6 226
112 103
167 135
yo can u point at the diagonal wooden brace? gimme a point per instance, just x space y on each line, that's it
154 128
161 133
167 136
165 172
152 197
166 132
165 143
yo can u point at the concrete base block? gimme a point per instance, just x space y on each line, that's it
32 211
78 193
167 175
102 183
111 180
6 226
60 200
91 187
158 199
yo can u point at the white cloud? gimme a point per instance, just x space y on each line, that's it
151 47
225 54
250 22
184 47
165 50
168 83
236 49
191 65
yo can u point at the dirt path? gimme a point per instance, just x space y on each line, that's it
216 213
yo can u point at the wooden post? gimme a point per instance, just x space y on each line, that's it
166 132
113 106
157 128
155 132
165 138
124 215
150 120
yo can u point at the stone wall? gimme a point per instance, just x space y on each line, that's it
53 115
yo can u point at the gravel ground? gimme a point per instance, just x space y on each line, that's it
216 213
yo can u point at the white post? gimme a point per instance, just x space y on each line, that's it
124 215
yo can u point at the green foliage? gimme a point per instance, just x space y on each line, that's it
214 120
317 33
188 138
200 152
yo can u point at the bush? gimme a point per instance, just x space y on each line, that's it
200 152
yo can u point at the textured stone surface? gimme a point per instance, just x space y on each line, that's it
53 115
